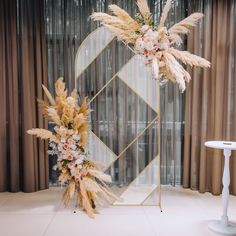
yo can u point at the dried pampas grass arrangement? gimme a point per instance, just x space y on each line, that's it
155 43
68 141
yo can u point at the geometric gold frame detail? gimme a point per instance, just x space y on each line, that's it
145 189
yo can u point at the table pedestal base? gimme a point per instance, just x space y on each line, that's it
217 227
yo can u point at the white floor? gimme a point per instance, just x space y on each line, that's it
185 212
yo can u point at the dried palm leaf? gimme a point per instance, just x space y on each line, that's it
143 7
190 59
186 24
165 13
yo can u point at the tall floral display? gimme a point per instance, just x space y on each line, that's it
68 141
155 43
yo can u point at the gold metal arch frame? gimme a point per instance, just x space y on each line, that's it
145 189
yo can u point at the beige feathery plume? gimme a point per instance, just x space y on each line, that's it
176 70
100 175
79 198
184 26
123 35
43 134
83 137
86 204
110 194
67 114
175 38
52 113
164 14
83 107
69 192
78 121
60 88
43 106
114 23
123 30
190 59
74 94
124 16
91 185
97 199
64 176
49 96
94 187
106 18
143 7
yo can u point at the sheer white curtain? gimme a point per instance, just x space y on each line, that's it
67 24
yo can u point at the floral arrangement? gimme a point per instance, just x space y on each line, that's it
68 142
155 43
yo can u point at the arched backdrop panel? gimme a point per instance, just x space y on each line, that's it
124 123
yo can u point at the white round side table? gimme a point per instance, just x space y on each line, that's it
223 226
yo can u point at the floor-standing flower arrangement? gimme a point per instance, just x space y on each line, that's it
155 43
68 142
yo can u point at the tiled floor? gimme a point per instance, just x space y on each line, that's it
185 213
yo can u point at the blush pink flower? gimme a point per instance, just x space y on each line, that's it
69 157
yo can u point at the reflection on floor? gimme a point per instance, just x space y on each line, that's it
185 213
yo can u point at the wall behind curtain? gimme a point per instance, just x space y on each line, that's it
67 25
23 163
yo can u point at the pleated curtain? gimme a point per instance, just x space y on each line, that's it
23 163
210 112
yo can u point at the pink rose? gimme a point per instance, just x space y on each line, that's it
70 158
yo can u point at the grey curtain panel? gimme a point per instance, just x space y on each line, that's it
23 163
211 97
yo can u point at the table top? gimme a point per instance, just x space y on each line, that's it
221 144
